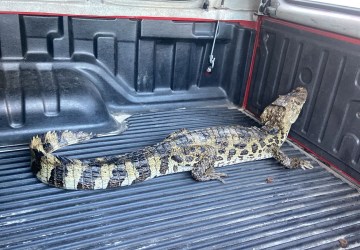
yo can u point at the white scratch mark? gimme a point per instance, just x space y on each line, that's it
12 222
17 213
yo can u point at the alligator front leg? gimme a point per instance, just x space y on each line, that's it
203 170
288 162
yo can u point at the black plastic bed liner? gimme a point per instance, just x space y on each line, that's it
298 209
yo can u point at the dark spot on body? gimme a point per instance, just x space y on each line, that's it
244 152
221 151
243 134
136 181
164 165
175 168
254 148
182 140
177 158
202 149
271 140
189 158
277 141
240 145
262 143
186 151
57 176
140 163
219 158
204 135
47 146
118 176
273 131
161 149
143 169
91 172
225 143
232 151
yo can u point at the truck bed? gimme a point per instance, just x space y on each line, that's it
299 209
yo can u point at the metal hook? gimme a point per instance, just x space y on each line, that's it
211 57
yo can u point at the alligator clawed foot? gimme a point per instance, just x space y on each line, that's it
216 176
304 164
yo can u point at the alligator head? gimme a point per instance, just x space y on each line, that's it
285 110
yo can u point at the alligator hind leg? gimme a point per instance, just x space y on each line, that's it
203 170
288 162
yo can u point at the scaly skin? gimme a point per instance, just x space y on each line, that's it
198 151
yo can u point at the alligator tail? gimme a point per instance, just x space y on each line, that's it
95 173
54 140
49 168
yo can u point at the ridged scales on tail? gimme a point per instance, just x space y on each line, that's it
199 151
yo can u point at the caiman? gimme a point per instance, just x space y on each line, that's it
198 151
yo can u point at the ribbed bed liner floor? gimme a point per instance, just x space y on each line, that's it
298 209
